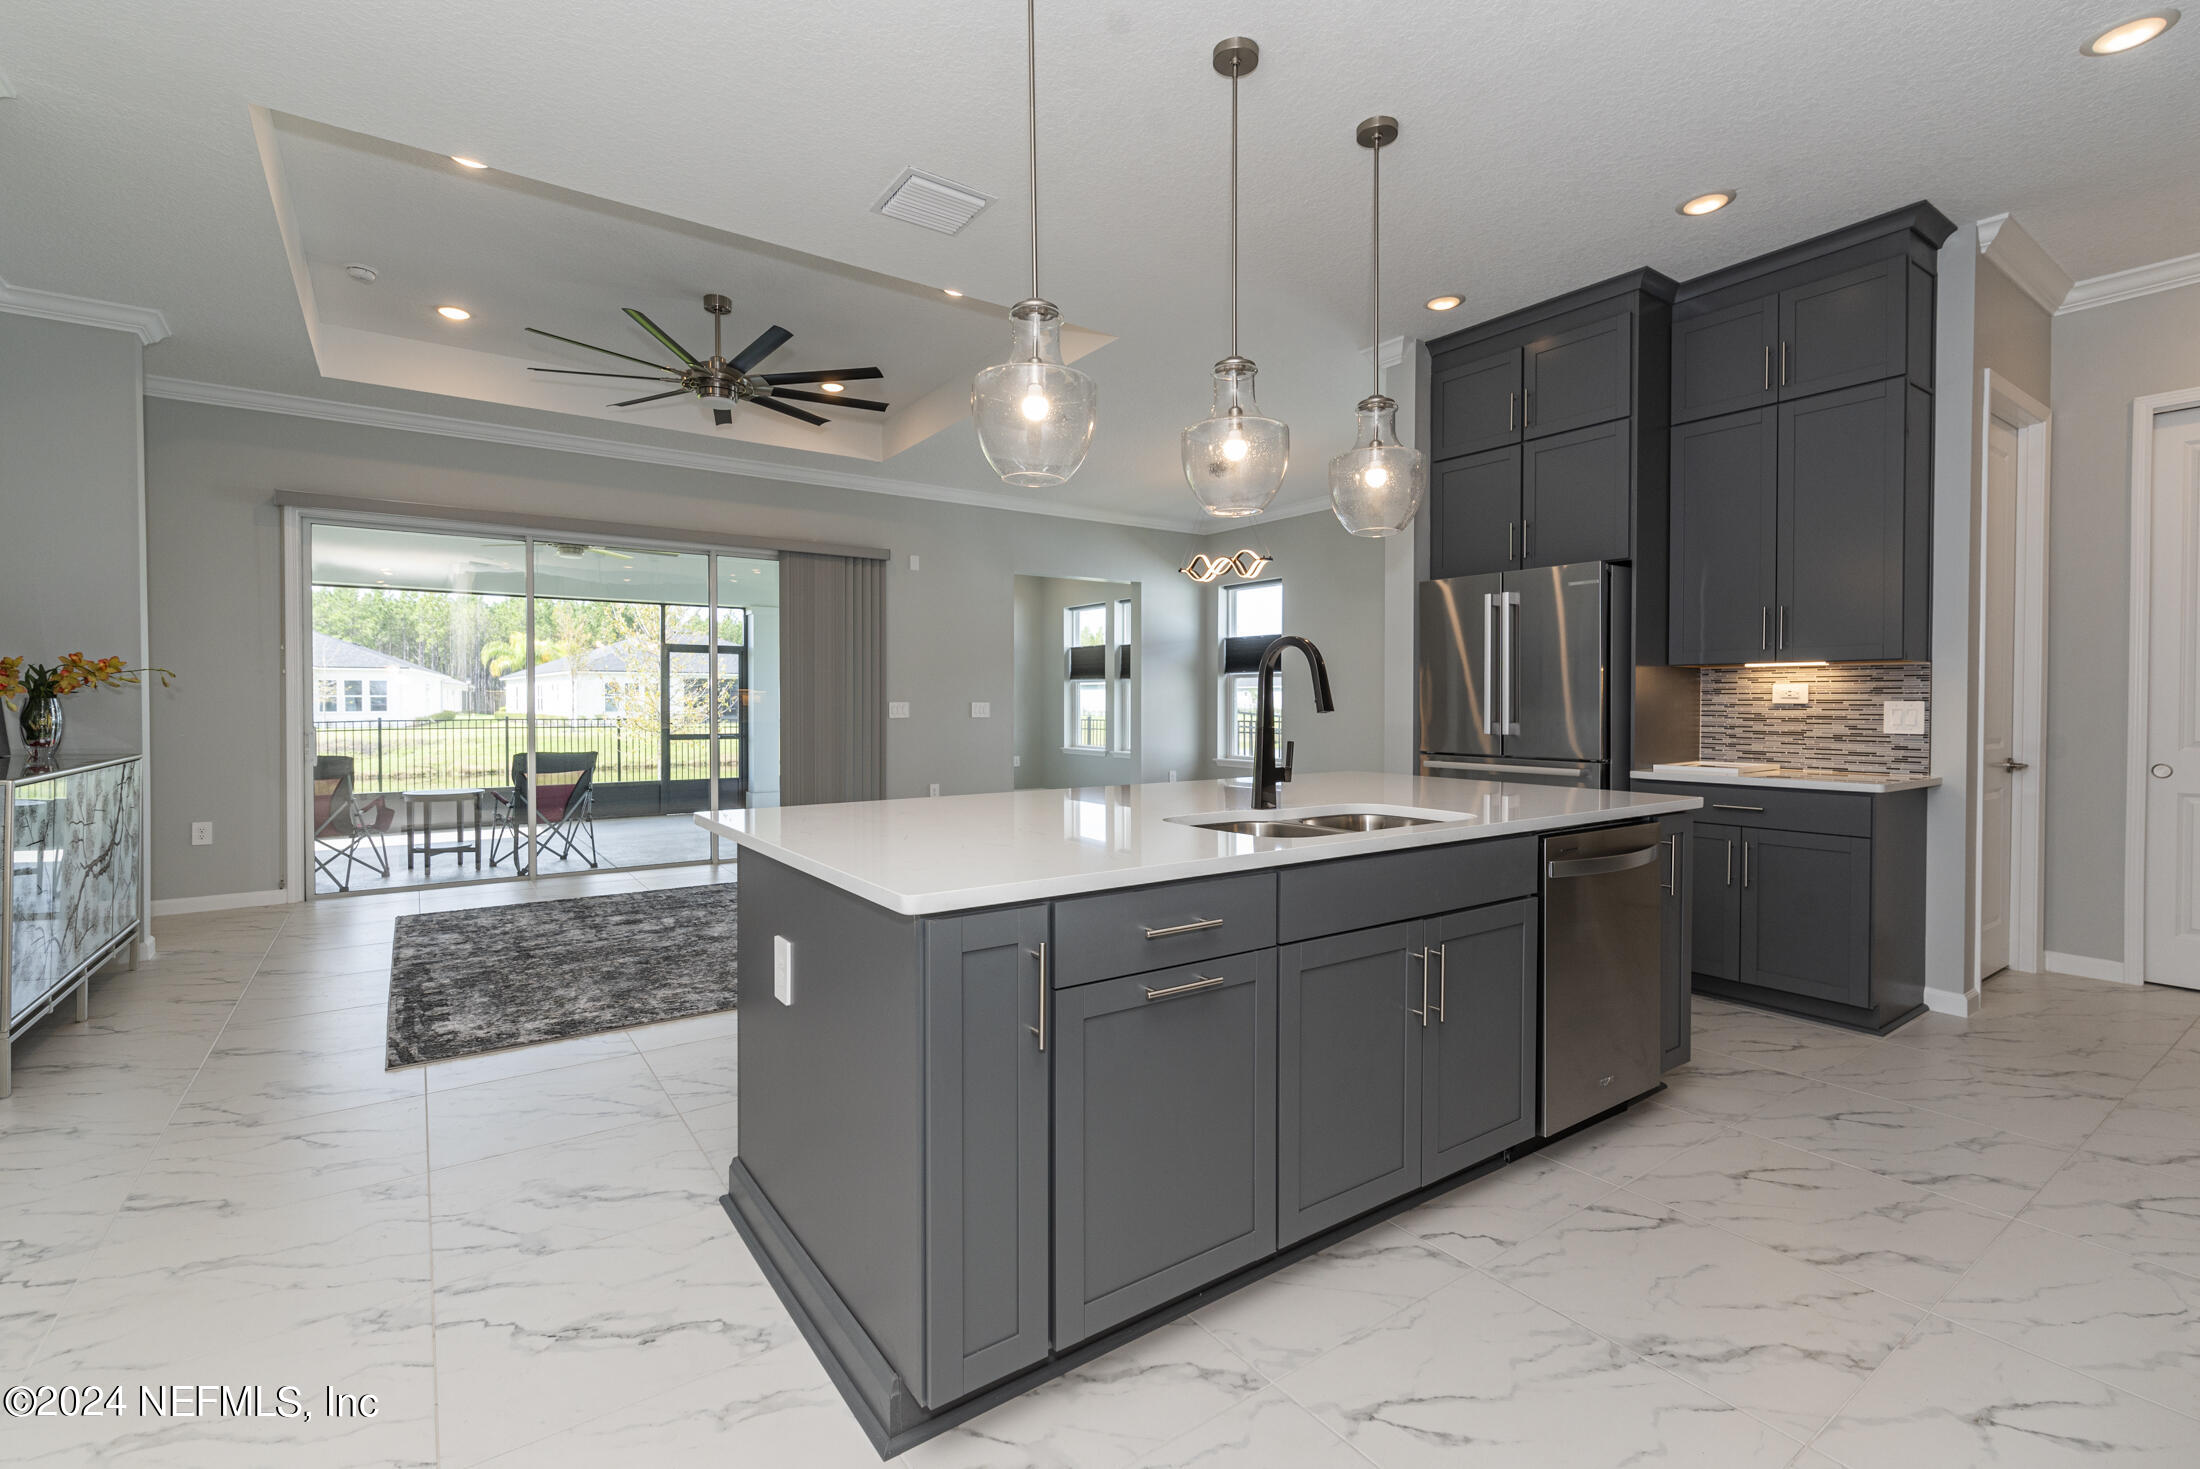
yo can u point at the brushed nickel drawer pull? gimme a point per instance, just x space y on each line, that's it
1201 983
1040 1030
1722 806
1193 927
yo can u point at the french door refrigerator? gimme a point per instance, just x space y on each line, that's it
1517 672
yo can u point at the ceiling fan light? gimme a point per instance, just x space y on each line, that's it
453 313
831 388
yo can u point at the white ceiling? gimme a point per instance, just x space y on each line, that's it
1544 145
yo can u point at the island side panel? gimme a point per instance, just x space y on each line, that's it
832 1093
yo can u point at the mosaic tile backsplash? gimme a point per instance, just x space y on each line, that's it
1838 730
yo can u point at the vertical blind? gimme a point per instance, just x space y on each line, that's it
832 639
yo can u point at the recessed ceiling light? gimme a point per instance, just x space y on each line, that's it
453 313
464 162
2131 34
1710 203
366 275
832 387
1442 303
950 290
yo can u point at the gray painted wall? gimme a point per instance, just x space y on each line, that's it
71 529
2103 359
216 595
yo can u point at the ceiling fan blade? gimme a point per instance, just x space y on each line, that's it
832 399
553 336
653 397
772 339
851 375
777 407
640 377
659 333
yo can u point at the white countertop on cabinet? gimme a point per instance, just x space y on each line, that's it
1855 782
922 855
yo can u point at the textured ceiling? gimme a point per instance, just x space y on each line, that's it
1544 146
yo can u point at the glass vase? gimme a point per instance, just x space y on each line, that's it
40 722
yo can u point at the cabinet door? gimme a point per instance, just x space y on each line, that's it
1478 1067
1806 914
1164 1137
1676 919
1574 496
1725 492
1723 360
1348 1075
985 1151
1474 514
1842 498
1574 378
1477 404
1846 329
1715 900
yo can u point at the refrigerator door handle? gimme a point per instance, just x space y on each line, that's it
1489 637
1509 604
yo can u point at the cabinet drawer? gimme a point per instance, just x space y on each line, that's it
1769 807
1361 892
1111 934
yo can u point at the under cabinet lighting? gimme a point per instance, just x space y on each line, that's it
1443 303
1710 203
464 162
453 313
2129 36
1799 663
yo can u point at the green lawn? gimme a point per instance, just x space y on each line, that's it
477 750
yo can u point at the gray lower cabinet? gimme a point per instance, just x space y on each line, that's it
1405 1053
1675 931
1806 914
1164 1136
1715 901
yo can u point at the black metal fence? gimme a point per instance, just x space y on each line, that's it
434 754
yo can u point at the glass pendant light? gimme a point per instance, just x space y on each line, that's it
1035 414
1376 485
1235 457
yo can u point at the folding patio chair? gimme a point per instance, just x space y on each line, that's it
344 830
565 799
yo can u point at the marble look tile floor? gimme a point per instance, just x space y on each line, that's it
1974 1242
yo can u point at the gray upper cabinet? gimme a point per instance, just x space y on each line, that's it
1164 1137
1579 376
1348 1076
1474 513
1723 357
1725 541
1844 512
986 1086
1849 328
1574 498
1806 915
1476 404
1478 1036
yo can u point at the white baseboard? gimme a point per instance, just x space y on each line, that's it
215 902
1952 1002
2083 967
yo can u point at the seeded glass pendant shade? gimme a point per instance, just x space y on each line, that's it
1235 457
1034 413
1376 486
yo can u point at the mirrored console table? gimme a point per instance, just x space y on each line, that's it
70 898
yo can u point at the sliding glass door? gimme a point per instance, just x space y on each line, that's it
487 706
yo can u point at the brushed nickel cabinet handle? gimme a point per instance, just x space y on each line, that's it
1729 862
1512 402
1193 927
1768 367
1745 864
1040 1030
1203 982
1764 627
1443 978
1512 538
1783 362
1723 806
1672 885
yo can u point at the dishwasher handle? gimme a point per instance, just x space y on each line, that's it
1596 866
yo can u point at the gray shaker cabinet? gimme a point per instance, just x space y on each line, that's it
1725 545
1476 404
1715 901
1570 379
1478 1036
1806 902
1164 1136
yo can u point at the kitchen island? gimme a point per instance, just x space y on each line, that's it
1035 1071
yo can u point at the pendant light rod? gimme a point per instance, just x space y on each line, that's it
1031 127
1374 134
1234 58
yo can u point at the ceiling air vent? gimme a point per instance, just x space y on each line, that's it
922 198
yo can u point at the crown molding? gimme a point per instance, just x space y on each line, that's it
2124 285
405 420
146 322
2024 260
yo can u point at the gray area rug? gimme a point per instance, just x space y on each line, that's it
484 979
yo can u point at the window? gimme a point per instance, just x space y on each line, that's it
324 695
1085 670
1120 708
610 696
378 696
355 698
1252 612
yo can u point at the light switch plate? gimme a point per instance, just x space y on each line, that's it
981 710
1790 694
782 969
898 709
1904 716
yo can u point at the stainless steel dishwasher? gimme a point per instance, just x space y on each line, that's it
1601 974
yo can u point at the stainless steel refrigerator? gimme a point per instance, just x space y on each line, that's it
1524 675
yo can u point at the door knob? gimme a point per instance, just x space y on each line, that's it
2162 772
2015 765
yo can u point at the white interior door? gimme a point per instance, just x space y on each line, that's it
2173 708
1997 702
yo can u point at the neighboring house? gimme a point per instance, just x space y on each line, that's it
351 682
590 686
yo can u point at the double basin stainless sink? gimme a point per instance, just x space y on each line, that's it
1328 824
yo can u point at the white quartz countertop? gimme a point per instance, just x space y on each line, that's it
945 854
1855 782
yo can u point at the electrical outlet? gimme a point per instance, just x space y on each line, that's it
935 787
912 563
202 833
898 709
1903 716
782 969
1172 777
981 710
1790 694
1016 762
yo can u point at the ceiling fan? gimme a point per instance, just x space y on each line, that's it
729 380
